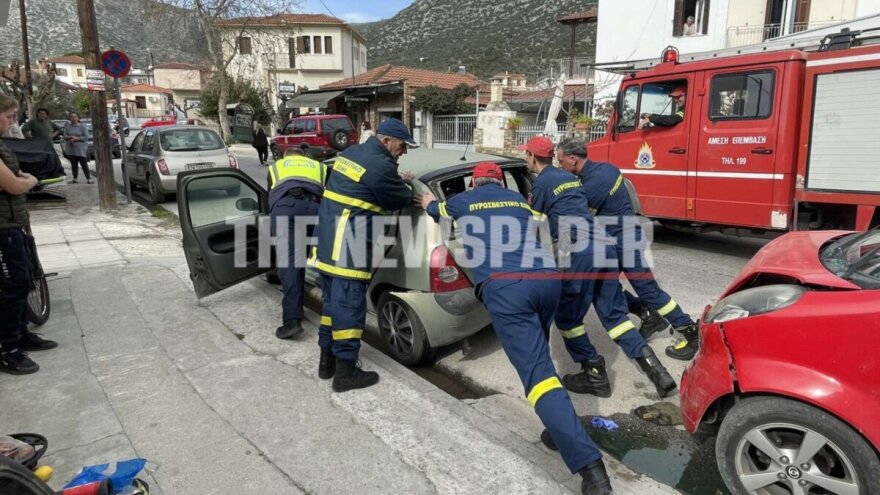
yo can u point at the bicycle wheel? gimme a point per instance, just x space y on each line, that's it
38 301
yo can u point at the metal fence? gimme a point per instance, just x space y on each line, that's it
526 132
577 68
454 131
750 35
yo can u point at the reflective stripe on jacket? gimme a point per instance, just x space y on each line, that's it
296 172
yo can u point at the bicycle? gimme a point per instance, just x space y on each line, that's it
39 305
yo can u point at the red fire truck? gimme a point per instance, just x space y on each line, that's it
771 139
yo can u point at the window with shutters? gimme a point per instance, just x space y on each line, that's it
317 45
691 18
304 44
244 45
328 44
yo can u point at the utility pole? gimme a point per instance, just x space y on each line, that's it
25 50
88 26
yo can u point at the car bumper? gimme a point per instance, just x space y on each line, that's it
168 184
708 378
447 316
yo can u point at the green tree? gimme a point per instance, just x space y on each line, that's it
239 91
441 101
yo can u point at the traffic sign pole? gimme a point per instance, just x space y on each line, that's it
122 145
116 64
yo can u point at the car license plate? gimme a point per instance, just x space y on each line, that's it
199 166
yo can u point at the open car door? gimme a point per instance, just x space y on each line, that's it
213 204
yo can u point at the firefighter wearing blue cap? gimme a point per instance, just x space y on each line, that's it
603 183
517 281
364 184
589 279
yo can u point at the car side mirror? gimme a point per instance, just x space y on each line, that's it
247 204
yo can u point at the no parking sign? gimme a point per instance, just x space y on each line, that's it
115 63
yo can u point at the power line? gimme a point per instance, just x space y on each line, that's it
328 8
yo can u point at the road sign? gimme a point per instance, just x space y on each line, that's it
286 88
115 63
95 80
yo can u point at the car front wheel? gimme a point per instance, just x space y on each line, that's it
403 331
770 445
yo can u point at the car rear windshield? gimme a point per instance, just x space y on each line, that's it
332 125
515 179
190 140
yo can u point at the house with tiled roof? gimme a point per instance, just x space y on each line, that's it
381 93
70 69
286 54
185 81
150 100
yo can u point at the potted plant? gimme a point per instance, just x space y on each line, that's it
514 123
580 121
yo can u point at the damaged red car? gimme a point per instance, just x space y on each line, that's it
789 368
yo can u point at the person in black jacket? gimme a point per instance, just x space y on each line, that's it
261 143
679 97
364 184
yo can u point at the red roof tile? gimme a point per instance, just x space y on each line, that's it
572 92
69 59
416 78
588 15
143 88
283 19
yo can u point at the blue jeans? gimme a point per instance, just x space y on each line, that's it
14 284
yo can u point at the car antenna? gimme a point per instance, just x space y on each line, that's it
464 155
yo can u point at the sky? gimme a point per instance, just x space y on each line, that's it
357 10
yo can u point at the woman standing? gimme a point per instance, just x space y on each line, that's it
366 132
14 263
261 143
76 146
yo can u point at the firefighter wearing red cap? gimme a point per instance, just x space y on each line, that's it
517 281
559 195
679 97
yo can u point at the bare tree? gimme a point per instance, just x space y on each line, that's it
223 23
12 83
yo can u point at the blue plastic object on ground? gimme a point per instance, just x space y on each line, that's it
603 424
121 478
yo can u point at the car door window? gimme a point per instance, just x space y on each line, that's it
299 127
288 129
628 109
138 142
149 143
747 95
309 126
656 100
217 200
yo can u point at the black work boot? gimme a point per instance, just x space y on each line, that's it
687 347
326 365
656 372
595 479
17 362
592 380
33 342
350 376
290 329
652 322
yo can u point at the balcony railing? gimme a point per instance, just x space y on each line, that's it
577 68
750 35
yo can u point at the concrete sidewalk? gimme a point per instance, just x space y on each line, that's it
217 404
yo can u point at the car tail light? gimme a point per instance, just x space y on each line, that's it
233 163
163 167
445 275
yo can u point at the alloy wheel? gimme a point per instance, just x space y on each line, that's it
785 458
399 333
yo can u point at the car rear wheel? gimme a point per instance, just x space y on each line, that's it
340 139
403 331
275 155
156 194
770 446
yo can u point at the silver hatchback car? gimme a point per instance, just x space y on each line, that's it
158 154
419 307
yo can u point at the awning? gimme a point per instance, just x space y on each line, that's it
313 100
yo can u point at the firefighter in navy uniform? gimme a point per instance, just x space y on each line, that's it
607 195
364 184
559 195
296 184
517 281
679 97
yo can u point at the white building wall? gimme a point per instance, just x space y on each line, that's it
867 7
746 13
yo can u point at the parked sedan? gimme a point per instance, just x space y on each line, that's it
789 366
157 155
115 148
419 306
